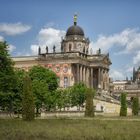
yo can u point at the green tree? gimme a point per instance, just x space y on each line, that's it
40 91
44 86
40 73
123 109
6 102
89 109
135 106
18 90
7 79
78 94
63 98
28 106
7 75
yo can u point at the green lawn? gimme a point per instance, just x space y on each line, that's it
69 129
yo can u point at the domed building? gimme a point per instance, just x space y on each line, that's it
73 63
75 40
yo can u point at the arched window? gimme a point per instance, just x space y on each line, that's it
87 51
65 82
70 47
84 50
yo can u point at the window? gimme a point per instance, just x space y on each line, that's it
70 46
84 50
65 82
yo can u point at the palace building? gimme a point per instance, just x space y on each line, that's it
73 63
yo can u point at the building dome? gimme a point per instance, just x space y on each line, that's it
75 30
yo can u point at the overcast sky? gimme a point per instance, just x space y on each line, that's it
112 25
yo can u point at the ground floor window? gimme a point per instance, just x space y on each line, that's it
65 82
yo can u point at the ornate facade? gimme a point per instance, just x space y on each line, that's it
73 63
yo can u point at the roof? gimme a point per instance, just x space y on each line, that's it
75 30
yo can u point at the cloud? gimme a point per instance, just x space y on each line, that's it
14 28
117 75
128 40
48 37
136 59
1 38
129 69
11 48
34 49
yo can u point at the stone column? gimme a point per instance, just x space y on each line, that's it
84 81
81 74
87 77
91 77
99 77
77 74
102 82
107 80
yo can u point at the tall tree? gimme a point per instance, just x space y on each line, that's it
135 106
123 109
7 75
89 109
7 79
28 106
18 90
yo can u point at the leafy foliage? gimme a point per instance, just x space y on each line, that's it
40 91
123 109
7 75
63 98
78 94
135 106
18 90
44 85
6 101
28 106
8 81
89 110
40 73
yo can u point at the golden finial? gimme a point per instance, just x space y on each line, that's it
75 19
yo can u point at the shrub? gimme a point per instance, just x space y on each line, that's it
135 106
123 109
89 110
28 106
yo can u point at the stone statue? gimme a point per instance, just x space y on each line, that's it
46 49
39 50
54 49
107 54
84 50
87 51
99 51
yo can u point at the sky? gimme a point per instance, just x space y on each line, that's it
112 25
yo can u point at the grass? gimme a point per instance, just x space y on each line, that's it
69 129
